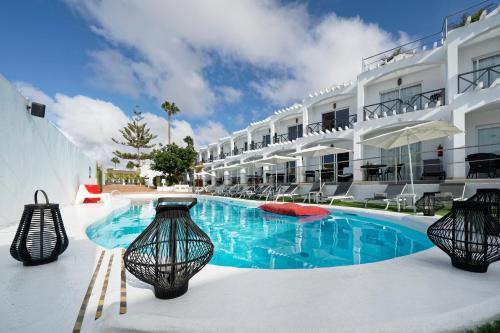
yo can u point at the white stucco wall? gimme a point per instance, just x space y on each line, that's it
34 154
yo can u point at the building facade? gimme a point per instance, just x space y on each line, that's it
452 76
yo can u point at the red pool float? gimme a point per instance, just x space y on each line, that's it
293 209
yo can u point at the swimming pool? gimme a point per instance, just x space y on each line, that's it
249 237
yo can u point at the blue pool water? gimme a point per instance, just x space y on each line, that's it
248 237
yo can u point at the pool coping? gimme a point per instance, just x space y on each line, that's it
415 293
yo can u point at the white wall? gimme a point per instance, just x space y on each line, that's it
34 154
316 111
482 49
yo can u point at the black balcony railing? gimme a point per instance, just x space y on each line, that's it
223 155
478 79
428 99
336 124
279 138
258 145
238 151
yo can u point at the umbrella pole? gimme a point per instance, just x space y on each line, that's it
411 170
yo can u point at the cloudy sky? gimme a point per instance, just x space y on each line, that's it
225 63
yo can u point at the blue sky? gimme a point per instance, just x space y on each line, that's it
225 64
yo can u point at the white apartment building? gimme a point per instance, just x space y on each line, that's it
453 76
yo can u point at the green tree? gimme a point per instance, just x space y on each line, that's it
130 165
137 136
171 109
115 160
174 161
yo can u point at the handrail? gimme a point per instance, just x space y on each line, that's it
445 27
279 138
330 125
476 80
431 98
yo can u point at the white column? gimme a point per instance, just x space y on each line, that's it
305 119
243 175
357 154
361 99
218 151
457 168
209 154
249 138
231 146
227 177
299 167
272 126
213 176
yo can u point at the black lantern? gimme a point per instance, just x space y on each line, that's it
428 204
40 237
171 250
469 234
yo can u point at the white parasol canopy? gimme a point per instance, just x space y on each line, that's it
275 160
430 130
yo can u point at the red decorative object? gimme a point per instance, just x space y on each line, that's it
94 189
293 209
439 151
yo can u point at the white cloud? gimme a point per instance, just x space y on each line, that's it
230 95
91 123
173 43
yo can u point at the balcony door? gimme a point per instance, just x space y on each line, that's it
342 118
406 95
328 120
266 140
390 157
295 132
488 140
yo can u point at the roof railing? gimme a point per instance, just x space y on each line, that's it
450 22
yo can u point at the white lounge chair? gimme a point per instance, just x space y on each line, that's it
83 194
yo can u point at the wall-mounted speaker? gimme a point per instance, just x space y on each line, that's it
37 109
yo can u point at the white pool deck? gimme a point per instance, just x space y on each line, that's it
416 293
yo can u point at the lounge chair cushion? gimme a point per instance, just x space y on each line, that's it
293 209
380 195
94 189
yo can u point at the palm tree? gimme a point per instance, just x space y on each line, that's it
171 109
115 160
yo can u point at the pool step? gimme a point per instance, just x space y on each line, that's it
112 286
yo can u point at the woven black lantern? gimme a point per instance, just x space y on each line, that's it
490 196
171 250
469 235
40 237
428 204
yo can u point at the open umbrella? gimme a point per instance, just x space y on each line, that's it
320 151
276 159
430 130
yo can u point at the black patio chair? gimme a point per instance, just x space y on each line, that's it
484 163
433 169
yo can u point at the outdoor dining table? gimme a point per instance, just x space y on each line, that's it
373 170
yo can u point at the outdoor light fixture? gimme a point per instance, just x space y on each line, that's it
400 81
37 109
334 105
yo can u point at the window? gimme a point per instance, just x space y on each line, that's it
328 161
390 157
295 132
406 95
328 120
488 140
266 140
486 77
342 118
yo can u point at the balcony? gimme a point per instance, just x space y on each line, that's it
280 138
337 124
258 145
238 151
223 155
428 99
479 79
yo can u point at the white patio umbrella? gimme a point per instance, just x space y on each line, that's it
320 151
253 164
430 130
275 160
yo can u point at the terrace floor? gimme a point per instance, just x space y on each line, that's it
417 293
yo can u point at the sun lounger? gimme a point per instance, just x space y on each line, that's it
289 192
314 191
91 192
341 192
392 193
